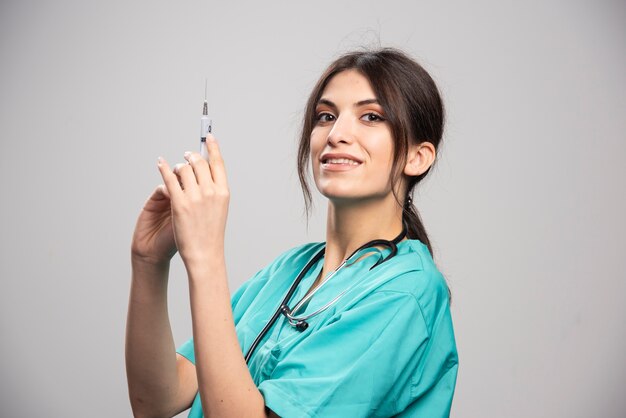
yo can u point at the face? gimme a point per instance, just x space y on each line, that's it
351 142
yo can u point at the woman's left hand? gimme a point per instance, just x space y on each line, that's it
199 197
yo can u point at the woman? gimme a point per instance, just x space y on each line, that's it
370 337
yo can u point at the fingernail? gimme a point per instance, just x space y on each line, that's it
159 160
187 155
210 138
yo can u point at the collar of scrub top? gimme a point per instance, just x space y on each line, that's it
300 323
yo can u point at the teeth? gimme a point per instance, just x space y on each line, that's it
340 161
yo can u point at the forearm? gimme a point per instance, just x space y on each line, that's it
150 350
224 381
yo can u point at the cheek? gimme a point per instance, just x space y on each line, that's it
315 148
381 149
317 136
316 144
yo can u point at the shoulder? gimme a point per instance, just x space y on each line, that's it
289 259
420 275
285 263
270 282
296 256
412 272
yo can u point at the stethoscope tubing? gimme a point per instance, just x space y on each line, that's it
296 321
289 313
285 300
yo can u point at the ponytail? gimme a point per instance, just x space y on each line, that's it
415 229
414 224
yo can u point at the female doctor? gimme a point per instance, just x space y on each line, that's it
366 328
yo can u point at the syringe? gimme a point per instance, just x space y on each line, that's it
205 126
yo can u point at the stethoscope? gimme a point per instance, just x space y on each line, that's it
300 322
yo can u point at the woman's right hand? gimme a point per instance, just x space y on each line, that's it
153 239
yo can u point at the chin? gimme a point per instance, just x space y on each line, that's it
347 197
342 198
337 191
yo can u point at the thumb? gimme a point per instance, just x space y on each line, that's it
162 191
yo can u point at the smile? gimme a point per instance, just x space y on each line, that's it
339 164
341 161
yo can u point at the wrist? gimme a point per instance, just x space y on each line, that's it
151 264
203 255
149 280
207 263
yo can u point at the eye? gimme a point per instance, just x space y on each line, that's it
372 117
324 117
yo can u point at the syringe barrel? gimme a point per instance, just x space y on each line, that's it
205 126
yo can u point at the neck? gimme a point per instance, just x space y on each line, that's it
350 225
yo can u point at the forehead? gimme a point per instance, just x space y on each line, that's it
348 84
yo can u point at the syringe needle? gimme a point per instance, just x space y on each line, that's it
205 108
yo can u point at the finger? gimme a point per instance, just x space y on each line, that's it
186 176
175 171
204 152
169 178
216 163
200 168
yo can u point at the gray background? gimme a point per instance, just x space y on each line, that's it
525 208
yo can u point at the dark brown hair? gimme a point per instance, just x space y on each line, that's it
412 105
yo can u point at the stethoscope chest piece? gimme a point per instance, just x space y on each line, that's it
302 325
299 324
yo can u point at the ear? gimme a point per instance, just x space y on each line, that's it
419 158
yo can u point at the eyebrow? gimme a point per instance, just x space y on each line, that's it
357 104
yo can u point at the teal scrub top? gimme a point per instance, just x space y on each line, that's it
385 348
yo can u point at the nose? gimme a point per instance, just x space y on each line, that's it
342 131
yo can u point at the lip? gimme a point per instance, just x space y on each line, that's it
339 167
339 155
